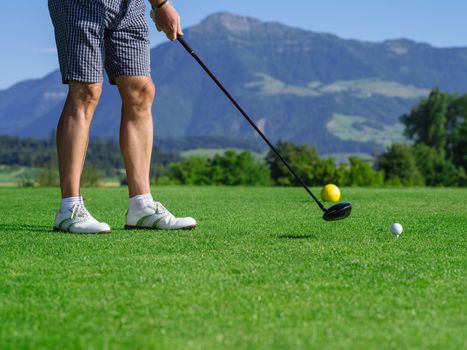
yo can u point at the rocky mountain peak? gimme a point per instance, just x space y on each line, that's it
230 22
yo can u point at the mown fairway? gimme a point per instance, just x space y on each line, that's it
262 271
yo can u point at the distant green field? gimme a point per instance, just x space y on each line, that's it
211 152
368 87
355 128
362 88
262 271
14 174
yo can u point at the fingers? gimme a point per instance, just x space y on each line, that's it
168 21
174 30
171 33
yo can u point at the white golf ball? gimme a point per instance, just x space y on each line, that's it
396 229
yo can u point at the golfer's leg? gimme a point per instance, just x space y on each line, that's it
73 134
136 136
136 130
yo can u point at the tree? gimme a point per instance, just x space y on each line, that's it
437 170
399 166
438 125
306 163
192 171
456 147
440 122
426 123
231 168
362 174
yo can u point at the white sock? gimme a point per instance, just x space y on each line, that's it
140 202
69 202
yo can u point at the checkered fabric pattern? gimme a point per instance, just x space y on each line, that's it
95 34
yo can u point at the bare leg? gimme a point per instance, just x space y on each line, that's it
136 130
73 134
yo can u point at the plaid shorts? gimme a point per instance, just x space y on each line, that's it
95 34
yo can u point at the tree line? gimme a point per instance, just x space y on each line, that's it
234 168
435 156
437 127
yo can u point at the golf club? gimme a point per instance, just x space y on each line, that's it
337 211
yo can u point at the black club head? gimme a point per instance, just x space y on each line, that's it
337 211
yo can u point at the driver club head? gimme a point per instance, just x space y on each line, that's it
337 211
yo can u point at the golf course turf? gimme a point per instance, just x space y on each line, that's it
262 271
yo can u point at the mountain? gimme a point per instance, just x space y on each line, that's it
301 86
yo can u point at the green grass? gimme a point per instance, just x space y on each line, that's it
262 271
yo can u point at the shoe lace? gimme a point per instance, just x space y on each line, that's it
159 208
78 211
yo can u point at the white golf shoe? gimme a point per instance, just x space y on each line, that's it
156 217
78 220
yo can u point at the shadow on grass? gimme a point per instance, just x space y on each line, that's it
22 227
161 234
49 229
46 229
292 236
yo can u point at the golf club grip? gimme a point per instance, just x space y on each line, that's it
185 44
245 115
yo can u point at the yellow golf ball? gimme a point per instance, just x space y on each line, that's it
331 193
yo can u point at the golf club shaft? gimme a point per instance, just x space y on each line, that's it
245 115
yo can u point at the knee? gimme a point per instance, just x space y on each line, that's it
139 96
86 94
81 101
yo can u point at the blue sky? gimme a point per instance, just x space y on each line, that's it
28 47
